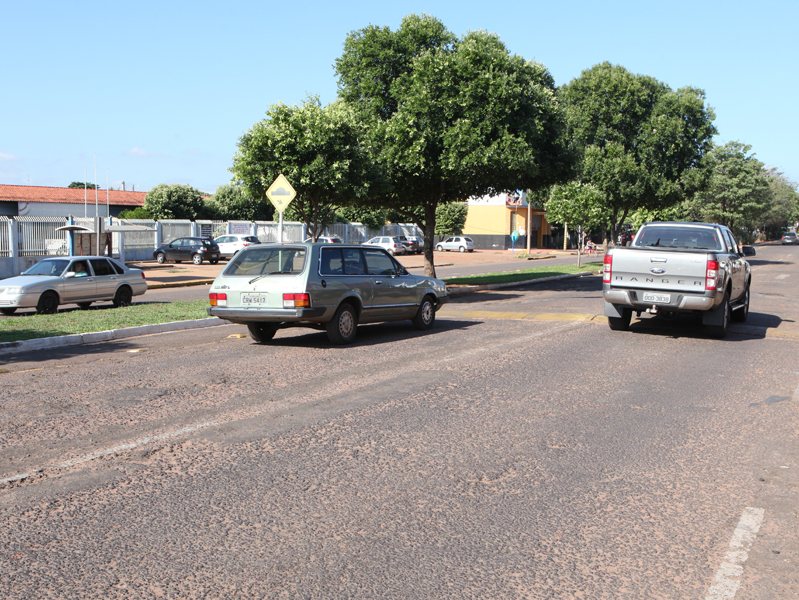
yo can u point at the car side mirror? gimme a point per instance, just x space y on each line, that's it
748 250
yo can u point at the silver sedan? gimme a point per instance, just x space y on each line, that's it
75 280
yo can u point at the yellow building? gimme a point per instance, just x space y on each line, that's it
491 221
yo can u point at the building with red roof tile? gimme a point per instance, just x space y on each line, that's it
36 201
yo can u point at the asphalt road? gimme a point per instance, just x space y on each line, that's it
520 449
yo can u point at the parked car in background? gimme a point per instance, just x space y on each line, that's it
392 245
77 280
323 286
326 239
790 238
195 249
459 243
418 241
411 245
230 244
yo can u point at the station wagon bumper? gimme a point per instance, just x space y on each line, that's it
263 315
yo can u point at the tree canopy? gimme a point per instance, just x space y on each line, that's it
80 184
317 149
233 202
641 142
738 192
450 118
174 201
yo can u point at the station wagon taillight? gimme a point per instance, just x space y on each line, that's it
217 299
296 301
607 269
711 277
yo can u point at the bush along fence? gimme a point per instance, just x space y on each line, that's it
24 241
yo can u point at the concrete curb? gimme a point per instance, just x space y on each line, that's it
105 336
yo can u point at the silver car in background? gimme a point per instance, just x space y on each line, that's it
77 280
461 243
331 287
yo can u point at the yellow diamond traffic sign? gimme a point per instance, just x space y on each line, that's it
280 193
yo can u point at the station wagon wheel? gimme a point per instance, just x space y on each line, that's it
197 259
426 315
48 304
123 297
341 328
160 258
261 332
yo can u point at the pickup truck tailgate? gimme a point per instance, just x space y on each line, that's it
668 271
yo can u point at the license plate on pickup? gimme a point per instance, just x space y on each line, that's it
253 299
663 298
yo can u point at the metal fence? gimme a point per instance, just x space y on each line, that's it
5 237
37 236
171 230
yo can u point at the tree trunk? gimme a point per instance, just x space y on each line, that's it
429 238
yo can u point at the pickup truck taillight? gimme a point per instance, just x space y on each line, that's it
711 278
217 299
608 268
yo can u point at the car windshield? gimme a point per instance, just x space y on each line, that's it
257 261
693 238
52 268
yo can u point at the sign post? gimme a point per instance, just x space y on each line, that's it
280 194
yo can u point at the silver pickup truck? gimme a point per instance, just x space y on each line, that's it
679 267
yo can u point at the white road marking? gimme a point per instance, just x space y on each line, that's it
728 577
783 276
115 450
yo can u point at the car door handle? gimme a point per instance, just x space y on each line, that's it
378 282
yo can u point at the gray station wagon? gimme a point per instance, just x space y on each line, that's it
324 286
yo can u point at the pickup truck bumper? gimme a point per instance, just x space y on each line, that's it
679 302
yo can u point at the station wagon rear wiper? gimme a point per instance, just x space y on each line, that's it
268 274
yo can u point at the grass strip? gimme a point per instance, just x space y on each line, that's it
29 325
524 275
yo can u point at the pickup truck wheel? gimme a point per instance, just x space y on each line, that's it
621 323
719 331
426 315
740 315
341 328
261 332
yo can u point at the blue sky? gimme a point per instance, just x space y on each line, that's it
162 91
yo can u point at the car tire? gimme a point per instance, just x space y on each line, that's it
84 305
197 259
341 328
462 249
391 252
720 331
48 304
439 248
160 258
426 315
261 332
8 310
123 297
621 323
740 315
213 262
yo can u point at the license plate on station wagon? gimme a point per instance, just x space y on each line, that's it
657 298
253 299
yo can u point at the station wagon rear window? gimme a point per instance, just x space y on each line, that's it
268 261
693 238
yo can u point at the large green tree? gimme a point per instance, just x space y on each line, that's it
448 118
783 210
233 202
738 192
641 142
317 149
174 201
